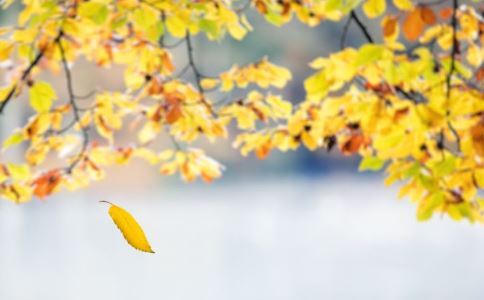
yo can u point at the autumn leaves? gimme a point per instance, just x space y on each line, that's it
410 102
415 109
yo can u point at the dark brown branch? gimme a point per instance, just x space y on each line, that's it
75 109
454 52
198 75
455 134
362 27
455 47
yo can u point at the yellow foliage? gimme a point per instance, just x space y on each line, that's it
411 104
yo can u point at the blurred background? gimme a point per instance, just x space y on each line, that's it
296 226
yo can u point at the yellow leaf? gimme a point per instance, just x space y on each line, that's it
176 26
475 55
16 192
6 48
41 96
237 31
145 17
318 63
95 11
14 139
479 177
368 54
403 4
374 8
209 83
18 172
131 230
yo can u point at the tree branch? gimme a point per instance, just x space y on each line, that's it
75 109
454 52
362 26
455 47
198 75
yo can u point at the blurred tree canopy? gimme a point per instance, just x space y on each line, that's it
410 99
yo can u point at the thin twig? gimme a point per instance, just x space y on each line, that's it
198 75
362 26
86 96
345 32
454 52
455 47
75 109
174 45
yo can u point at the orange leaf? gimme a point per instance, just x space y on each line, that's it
261 7
155 87
167 65
353 144
446 12
173 114
263 151
389 26
428 15
413 25
45 184
480 74
477 133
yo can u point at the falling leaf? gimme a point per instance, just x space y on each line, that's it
131 230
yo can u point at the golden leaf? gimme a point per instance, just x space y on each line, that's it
41 96
131 230
6 48
374 8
